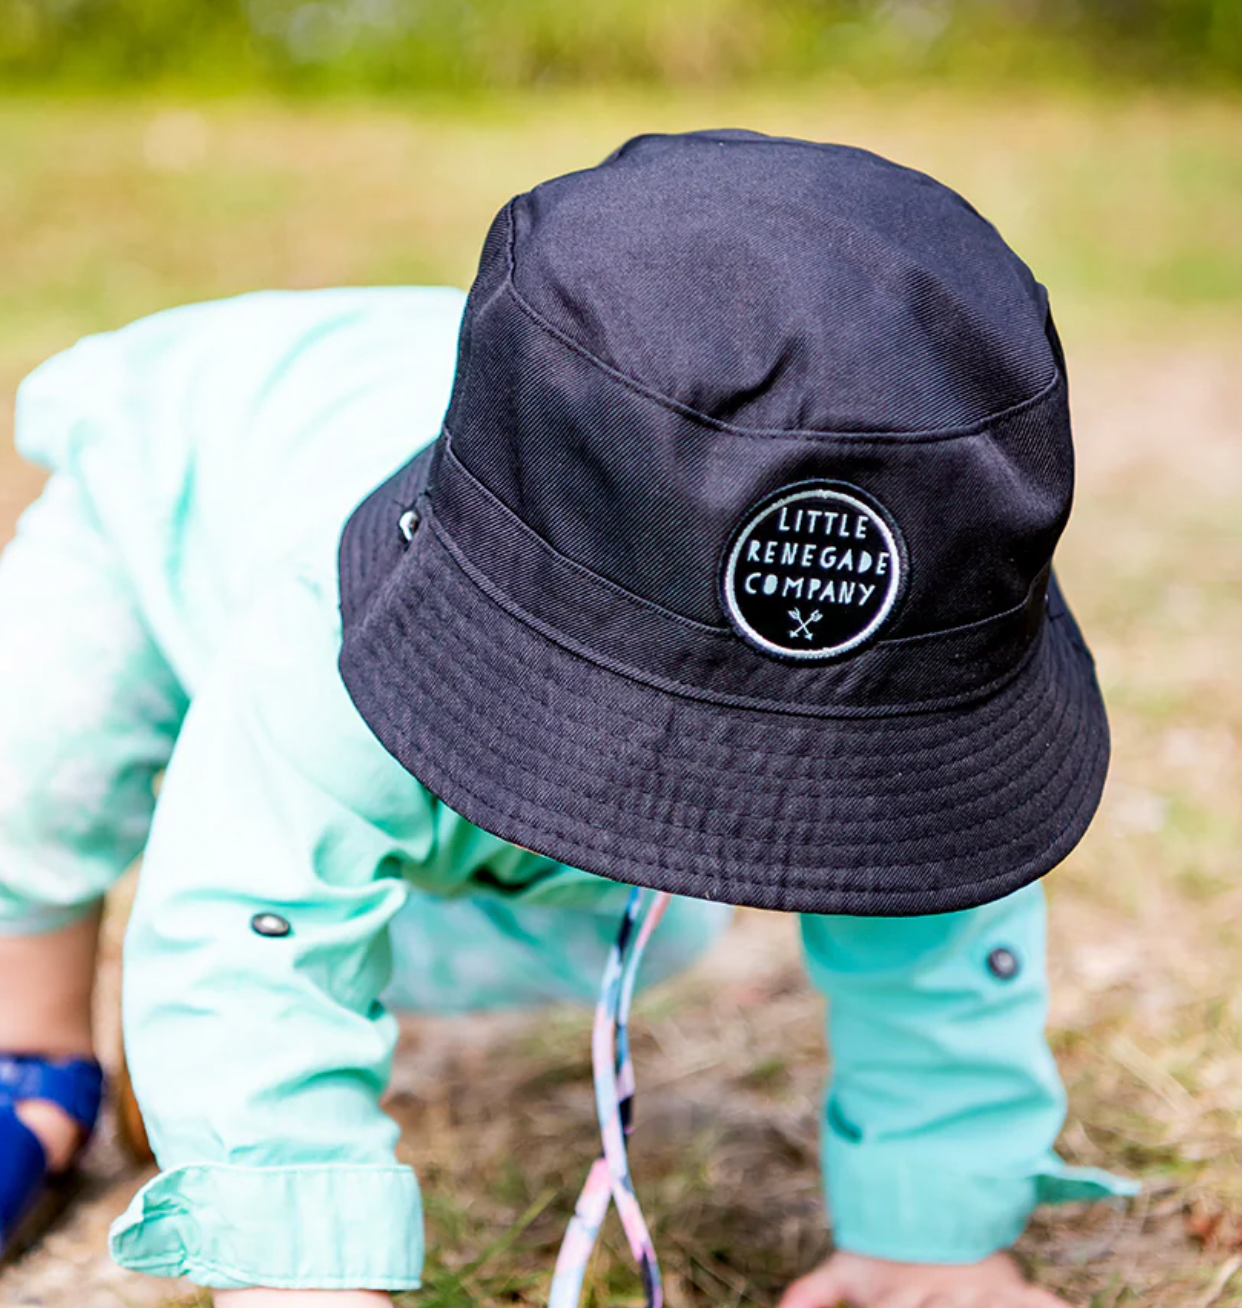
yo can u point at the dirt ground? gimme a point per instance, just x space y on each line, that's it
1145 953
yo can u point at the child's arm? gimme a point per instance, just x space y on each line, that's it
945 1100
259 1054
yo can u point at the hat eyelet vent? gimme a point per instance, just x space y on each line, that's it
407 525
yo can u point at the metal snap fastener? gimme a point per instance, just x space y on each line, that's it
1003 964
407 524
270 924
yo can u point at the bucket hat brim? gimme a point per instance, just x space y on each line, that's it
898 814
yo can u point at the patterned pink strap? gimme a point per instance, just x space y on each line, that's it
609 1178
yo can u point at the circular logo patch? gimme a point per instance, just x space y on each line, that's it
813 571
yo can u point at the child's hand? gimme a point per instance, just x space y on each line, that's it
847 1278
301 1299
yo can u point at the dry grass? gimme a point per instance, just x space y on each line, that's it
1131 213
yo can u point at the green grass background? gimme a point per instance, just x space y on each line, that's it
399 45
1127 207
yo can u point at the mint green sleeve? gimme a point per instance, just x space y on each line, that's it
945 1100
259 1062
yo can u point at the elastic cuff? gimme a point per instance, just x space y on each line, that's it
313 1227
897 1203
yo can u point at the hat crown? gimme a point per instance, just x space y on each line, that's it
780 285
657 345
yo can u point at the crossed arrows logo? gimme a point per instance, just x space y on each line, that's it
802 626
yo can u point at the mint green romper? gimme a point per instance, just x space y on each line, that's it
169 606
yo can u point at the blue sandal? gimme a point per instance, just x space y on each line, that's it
27 1189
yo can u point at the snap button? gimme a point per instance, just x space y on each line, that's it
1003 964
270 924
407 523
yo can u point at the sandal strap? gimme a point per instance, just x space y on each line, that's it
23 1172
76 1085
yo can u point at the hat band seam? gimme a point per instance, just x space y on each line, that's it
449 457
972 740
451 460
480 579
796 879
677 813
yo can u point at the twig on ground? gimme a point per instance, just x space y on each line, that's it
1228 1270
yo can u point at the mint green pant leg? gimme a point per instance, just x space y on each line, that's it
945 1099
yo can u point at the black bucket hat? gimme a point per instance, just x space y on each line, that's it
730 572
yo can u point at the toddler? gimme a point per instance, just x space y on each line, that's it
726 574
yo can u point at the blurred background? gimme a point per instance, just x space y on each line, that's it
159 151
479 45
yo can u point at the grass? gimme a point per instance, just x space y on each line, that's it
112 209
1129 210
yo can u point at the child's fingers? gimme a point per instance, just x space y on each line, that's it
968 1299
845 1281
1028 1297
825 1287
1037 1298
918 1296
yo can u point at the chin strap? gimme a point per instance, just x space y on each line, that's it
609 1178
